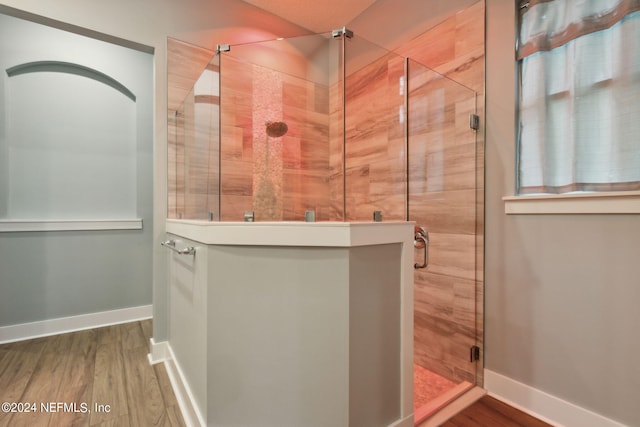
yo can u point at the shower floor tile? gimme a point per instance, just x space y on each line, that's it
433 393
428 385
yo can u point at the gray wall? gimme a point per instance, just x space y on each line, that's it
48 275
146 22
561 290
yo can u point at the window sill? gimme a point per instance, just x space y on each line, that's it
623 202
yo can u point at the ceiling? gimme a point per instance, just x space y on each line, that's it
388 23
316 16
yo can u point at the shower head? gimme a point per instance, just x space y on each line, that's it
276 129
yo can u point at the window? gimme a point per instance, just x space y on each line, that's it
579 111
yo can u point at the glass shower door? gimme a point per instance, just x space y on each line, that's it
442 199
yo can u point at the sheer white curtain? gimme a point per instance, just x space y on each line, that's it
579 116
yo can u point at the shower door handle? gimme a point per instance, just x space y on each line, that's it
421 241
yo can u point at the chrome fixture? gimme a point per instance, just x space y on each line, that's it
377 216
248 216
310 216
171 244
223 48
421 241
474 121
339 32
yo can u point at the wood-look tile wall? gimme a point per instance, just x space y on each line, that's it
193 159
447 193
188 160
336 152
375 141
297 177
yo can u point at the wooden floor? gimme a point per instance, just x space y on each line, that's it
98 377
490 412
102 377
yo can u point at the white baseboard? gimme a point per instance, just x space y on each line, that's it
25 331
159 351
542 405
404 422
190 411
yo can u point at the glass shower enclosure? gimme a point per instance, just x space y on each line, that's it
331 127
339 107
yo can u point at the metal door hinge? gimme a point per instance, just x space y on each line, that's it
474 121
474 354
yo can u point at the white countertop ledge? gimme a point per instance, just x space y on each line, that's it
317 234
